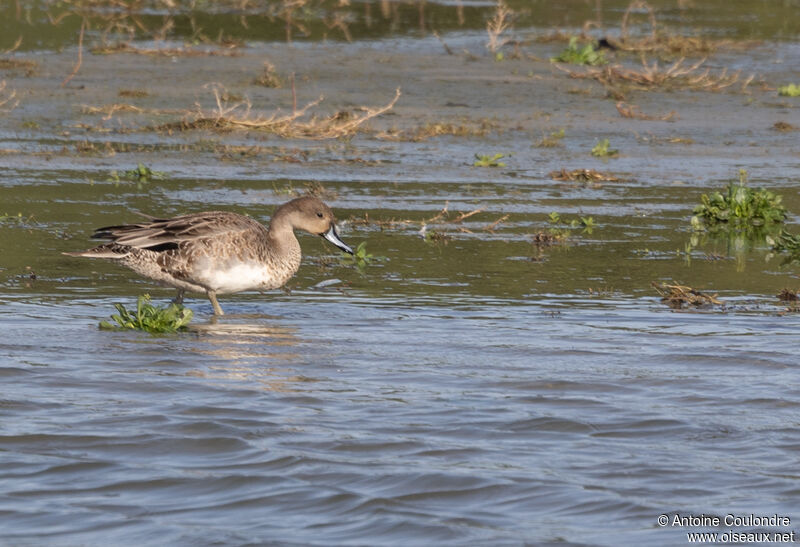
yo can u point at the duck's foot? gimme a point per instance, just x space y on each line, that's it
212 296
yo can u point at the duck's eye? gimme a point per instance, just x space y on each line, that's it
319 215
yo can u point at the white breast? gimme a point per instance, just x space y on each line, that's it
240 276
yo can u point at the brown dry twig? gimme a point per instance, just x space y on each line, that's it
632 111
8 98
79 62
500 22
678 295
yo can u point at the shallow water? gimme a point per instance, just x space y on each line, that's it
478 390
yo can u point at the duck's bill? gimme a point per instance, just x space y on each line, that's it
333 237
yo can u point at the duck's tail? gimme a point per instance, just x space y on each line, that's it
113 252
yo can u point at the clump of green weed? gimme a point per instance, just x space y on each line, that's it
150 318
791 90
739 207
576 55
485 160
141 173
587 223
602 150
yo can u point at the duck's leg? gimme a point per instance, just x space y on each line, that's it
212 295
179 297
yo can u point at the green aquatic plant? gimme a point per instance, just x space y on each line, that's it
576 55
791 90
485 160
141 173
360 257
738 207
602 150
150 318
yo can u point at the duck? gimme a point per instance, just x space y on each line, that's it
217 252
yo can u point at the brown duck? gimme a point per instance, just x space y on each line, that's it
217 252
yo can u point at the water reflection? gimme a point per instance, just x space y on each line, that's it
250 347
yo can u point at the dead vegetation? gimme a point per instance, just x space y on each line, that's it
501 21
632 111
784 127
269 77
442 219
582 175
678 296
788 295
125 47
464 128
8 98
232 115
678 75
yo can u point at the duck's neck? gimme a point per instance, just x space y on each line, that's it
282 238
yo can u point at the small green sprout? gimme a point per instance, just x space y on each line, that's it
554 218
360 256
602 150
791 90
485 160
150 318
575 55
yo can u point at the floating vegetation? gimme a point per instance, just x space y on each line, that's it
552 140
269 77
602 150
479 128
788 243
632 111
229 115
587 223
435 237
149 318
485 160
141 173
677 296
133 93
787 295
739 207
791 90
576 55
783 127
582 175
163 51
360 256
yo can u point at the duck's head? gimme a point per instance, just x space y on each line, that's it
312 215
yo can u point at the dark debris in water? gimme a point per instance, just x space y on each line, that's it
677 296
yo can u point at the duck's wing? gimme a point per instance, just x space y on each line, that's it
163 234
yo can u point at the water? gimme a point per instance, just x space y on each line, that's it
472 391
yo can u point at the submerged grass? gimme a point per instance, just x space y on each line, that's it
149 318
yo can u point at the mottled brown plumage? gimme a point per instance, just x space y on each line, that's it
217 252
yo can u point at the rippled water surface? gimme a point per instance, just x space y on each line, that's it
466 386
